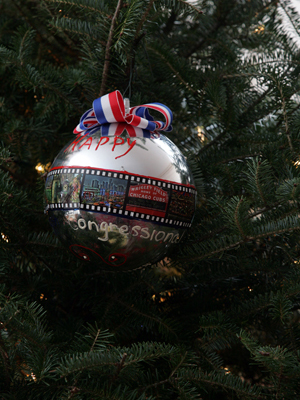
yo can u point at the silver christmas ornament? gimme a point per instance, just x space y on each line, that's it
120 197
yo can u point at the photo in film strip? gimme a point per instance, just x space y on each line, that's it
104 191
120 193
64 187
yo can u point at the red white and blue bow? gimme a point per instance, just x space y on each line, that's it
110 109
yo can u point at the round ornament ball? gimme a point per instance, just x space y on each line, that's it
120 196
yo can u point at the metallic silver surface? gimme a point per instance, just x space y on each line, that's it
113 243
114 223
155 157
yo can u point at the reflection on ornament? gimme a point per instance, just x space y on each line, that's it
120 196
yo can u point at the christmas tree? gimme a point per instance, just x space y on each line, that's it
219 317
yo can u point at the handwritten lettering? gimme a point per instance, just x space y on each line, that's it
121 141
88 142
136 231
75 142
117 141
101 144
131 145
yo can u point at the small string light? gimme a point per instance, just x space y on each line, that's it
162 296
41 168
260 29
200 133
4 237
33 377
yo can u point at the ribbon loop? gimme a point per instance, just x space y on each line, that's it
110 108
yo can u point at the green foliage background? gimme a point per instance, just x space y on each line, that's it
220 319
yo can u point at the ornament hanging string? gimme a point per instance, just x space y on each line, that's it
111 109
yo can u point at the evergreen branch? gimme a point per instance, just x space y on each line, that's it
169 65
68 40
263 96
143 19
213 142
178 365
6 360
262 302
23 243
283 101
282 5
265 93
169 379
95 340
221 21
217 341
77 26
137 353
239 242
266 6
36 79
218 379
150 317
208 236
255 103
257 182
23 42
236 218
170 23
204 40
188 4
206 356
262 210
111 304
40 29
212 253
61 94
156 384
11 171
228 383
146 351
25 329
246 230
4 325
237 158
107 56
251 215
126 32
275 232
90 6
120 366
80 363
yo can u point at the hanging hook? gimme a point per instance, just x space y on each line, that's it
127 105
